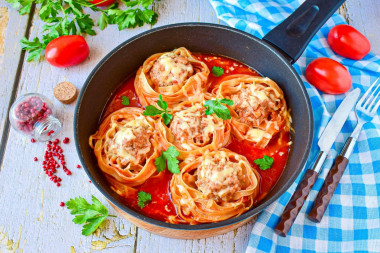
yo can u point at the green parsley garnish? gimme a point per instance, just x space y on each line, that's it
125 100
151 110
70 17
217 71
168 157
92 215
264 163
143 199
215 106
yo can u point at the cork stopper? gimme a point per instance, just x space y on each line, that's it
65 92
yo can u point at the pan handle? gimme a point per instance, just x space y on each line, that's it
293 35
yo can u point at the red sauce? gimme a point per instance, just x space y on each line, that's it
230 66
161 205
127 89
277 149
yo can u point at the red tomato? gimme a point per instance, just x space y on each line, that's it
105 3
66 51
348 42
328 76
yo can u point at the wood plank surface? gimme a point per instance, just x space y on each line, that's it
31 219
12 28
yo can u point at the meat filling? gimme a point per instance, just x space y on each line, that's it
131 143
219 178
193 126
253 106
171 69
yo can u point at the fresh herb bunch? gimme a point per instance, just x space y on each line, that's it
151 110
67 17
216 106
92 215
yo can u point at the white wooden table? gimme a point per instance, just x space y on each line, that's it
31 219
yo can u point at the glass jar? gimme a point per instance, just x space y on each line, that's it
33 114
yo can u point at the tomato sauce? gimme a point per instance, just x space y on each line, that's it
161 205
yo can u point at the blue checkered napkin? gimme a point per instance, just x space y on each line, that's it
352 221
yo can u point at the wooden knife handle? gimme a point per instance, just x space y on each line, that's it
296 202
328 189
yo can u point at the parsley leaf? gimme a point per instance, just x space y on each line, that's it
143 199
166 118
215 106
264 163
168 157
35 48
151 110
216 71
125 100
92 215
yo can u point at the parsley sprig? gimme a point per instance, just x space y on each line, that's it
168 157
143 198
92 215
68 17
216 106
151 110
264 163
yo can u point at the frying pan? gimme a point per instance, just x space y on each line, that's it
271 56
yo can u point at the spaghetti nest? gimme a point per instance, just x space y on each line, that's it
216 186
176 75
193 132
125 146
259 110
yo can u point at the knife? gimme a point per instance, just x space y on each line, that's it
325 142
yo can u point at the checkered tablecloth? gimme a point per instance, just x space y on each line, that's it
352 221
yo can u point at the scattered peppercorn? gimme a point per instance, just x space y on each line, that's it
62 204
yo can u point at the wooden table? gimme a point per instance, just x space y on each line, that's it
31 218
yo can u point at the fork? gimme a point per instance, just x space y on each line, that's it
365 110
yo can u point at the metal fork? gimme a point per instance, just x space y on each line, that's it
365 110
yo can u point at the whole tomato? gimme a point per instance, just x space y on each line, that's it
348 42
66 51
102 2
328 76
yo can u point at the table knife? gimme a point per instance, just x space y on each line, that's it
325 142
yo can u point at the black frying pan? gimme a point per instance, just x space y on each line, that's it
271 57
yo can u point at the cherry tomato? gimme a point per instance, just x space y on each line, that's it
102 2
66 51
348 42
328 76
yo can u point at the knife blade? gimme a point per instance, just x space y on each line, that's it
336 123
325 143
